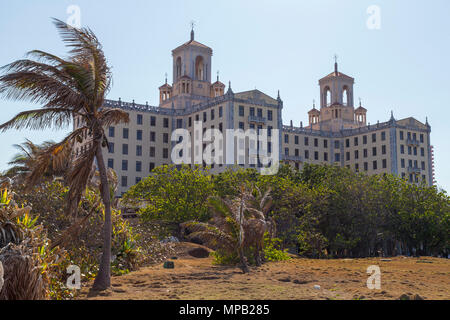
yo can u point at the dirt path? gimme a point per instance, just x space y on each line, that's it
195 278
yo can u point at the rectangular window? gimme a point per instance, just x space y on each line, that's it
364 139
422 152
165 137
138 166
269 115
296 139
384 163
316 155
241 125
402 163
366 166
401 135
151 166
336 144
125 133
423 165
383 135
356 154
421 138
316 142
402 149
124 165
205 117
138 179
138 150
374 137
111 132
252 111
166 122
306 141
220 112
374 151
111 147
365 153
152 152
325 143
212 114
306 154
152 136
139 119
259 112
139 135
241 111
111 163
190 122
165 153
347 156
153 121
325 156
179 123
286 138
124 181
124 148
347 143
375 165
383 149
356 141
337 157
286 151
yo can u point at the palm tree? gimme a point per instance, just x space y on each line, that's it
68 88
23 162
238 224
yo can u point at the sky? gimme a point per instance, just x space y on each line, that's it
398 51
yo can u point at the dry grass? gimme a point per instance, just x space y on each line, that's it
293 279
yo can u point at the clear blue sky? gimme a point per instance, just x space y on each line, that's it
270 45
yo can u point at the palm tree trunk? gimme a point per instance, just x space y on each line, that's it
103 279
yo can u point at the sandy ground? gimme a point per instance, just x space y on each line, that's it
197 278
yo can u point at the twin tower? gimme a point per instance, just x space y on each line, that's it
192 84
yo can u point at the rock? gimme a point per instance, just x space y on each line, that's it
169 265
170 239
317 287
417 297
199 253
287 279
404 297
297 281
386 260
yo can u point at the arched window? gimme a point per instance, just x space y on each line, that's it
327 96
199 68
178 67
345 96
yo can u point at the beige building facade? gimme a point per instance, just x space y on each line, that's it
337 132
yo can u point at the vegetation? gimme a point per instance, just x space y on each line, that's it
320 211
68 88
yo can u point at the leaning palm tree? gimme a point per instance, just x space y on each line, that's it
23 162
72 87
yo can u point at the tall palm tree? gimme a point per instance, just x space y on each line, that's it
68 88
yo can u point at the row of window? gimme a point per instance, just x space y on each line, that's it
347 154
152 152
125 165
412 164
412 150
411 136
259 112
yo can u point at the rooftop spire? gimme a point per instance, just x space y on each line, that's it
192 30
335 64
218 75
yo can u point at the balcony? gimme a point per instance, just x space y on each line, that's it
412 142
414 170
256 119
292 158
